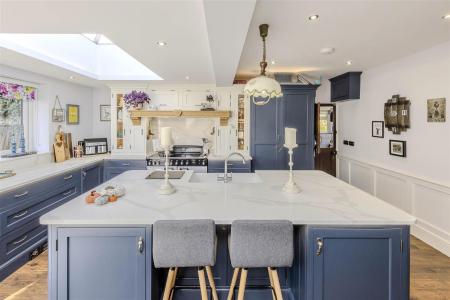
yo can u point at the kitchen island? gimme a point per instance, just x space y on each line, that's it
94 252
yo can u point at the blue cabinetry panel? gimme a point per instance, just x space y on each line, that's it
234 166
91 177
102 263
115 167
295 109
357 263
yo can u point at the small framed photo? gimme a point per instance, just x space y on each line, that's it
58 115
397 148
378 129
436 110
73 114
105 113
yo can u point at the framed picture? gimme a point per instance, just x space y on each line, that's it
73 114
397 148
58 115
105 113
436 110
378 129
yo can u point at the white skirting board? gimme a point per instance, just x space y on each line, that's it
428 201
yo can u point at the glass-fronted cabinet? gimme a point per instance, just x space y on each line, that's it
119 105
241 123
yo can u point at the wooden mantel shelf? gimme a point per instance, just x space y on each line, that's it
136 115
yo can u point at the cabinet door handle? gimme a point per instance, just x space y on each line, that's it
21 195
21 240
67 193
125 164
68 177
140 245
20 215
319 243
84 174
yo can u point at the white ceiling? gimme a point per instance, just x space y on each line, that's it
368 32
212 40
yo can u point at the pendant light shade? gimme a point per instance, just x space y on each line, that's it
263 87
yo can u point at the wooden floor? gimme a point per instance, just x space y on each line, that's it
430 276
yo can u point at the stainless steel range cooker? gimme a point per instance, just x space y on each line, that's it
182 157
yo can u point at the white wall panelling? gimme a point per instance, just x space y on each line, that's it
427 201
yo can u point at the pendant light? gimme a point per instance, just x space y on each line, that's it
263 86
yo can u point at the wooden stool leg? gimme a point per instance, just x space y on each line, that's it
211 283
169 281
202 281
233 283
271 283
173 283
276 283
242 284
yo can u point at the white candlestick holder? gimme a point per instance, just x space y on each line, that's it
166 188
290 186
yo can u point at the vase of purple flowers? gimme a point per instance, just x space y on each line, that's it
135 100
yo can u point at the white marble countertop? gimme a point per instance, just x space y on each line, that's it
324 200
36 172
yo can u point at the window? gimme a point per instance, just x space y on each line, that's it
16 107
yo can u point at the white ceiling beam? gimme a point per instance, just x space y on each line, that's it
227 23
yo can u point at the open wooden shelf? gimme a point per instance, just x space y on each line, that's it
137 115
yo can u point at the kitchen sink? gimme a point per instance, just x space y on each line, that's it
237 178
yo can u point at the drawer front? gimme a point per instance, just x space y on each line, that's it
39 189
236 166
132 164
19 215
19 240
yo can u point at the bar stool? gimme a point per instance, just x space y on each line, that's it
260 244
182 244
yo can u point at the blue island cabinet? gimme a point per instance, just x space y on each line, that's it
100 263
357 263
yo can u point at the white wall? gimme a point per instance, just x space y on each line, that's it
68 93
419 183
101 129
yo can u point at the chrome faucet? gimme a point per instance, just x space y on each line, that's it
225 177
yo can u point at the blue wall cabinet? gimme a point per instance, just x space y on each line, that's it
353 263
91 176
103 263
345 87
295 109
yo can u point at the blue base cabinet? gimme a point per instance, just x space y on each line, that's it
102 263
91 176
330 263
234 166
115 167
357 263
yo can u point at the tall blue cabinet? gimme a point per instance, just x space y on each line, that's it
295 109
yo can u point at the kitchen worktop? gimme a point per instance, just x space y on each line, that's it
38 170
324 200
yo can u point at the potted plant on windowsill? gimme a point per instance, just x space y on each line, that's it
136 100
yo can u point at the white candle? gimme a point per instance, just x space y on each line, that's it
166 136
290 136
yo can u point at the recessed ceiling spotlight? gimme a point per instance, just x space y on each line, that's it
313 17
71 77
328 50
187 77
161 43
273 62
446 17
349 62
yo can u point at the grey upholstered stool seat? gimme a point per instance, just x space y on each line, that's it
185 243
256 244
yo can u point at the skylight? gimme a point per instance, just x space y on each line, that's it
90 54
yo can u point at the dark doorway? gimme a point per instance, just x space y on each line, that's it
325 138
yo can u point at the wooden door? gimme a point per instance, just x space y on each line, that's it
102 263
325 138
357 263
